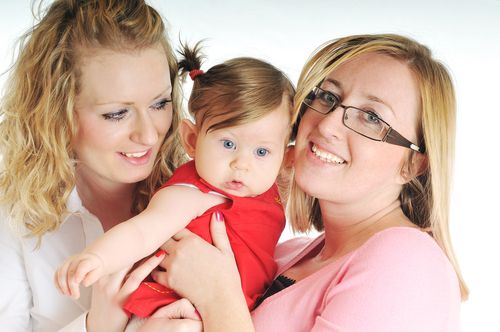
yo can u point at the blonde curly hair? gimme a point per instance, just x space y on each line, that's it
37 109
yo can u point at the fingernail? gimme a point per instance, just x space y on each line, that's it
160 252
219 216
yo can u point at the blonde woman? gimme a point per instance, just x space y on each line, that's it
372 171
88 133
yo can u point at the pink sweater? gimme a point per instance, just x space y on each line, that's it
398 280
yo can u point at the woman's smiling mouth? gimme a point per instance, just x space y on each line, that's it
137 158
326 156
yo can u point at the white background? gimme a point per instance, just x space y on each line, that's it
465 35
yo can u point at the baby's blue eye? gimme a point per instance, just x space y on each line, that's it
228 144
261 152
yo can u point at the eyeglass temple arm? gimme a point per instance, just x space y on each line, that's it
393 137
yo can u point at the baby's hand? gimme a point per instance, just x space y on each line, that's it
85 267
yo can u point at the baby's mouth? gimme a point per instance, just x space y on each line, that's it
233 185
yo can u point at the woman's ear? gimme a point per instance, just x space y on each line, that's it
420 164
416 165
285 174
189 135
289 156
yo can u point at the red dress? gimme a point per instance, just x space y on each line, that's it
254 225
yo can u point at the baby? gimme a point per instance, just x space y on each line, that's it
242 111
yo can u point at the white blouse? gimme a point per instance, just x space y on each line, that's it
29 300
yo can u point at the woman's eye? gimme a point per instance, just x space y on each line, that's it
161 105
371 117
228 144
261 152
328 98
371 121
115 116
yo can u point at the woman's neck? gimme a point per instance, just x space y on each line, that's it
111 203
346 232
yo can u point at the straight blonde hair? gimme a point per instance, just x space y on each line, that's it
37 110
425 200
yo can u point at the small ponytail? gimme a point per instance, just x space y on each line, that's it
191 59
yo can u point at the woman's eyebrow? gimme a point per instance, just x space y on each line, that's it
380 101
370 97
334 82
167 90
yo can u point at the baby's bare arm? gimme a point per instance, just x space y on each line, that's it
170 210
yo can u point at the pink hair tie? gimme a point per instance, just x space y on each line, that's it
195 72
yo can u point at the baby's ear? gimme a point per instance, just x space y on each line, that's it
189 135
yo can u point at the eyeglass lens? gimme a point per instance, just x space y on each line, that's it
362 122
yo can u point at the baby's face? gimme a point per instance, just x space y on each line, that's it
244 160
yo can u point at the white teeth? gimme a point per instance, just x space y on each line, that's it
327 156
135 155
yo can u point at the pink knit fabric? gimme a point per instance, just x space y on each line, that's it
399 280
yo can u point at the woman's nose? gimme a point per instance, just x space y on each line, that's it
332 125
144 131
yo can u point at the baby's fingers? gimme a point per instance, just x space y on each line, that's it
74 279
87 270
92 276
61 280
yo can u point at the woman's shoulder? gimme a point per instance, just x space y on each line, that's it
397 277
79 227
405 253
11 233
406 242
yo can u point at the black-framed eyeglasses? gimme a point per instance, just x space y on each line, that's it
365 123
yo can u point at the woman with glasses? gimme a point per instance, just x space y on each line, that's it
372 171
